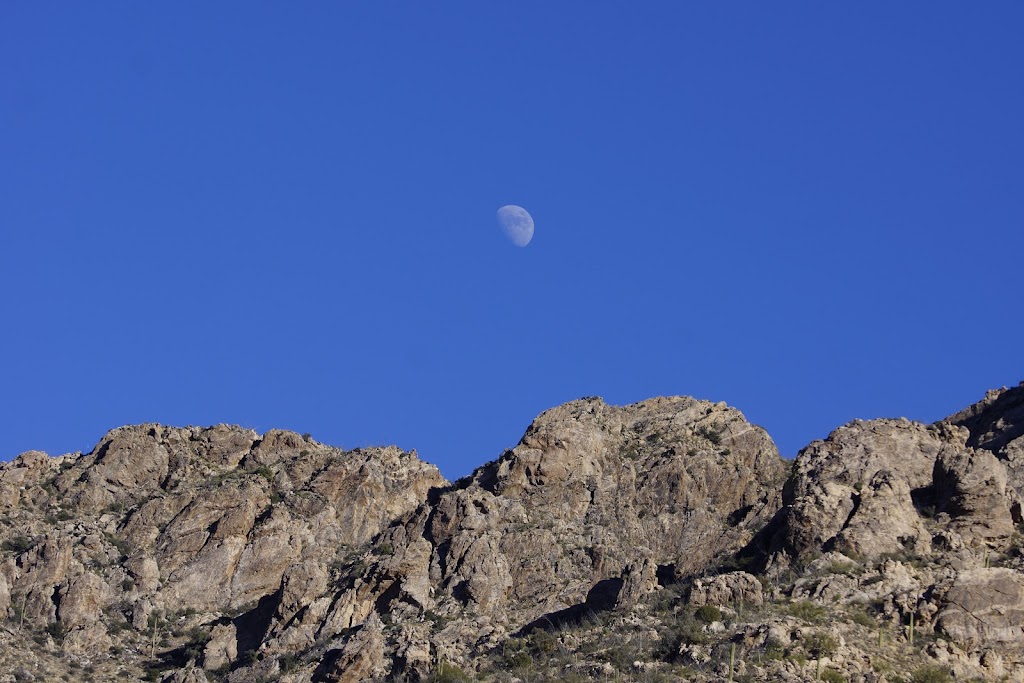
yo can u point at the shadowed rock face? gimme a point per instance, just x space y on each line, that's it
996 424
854 491
273 557
890 486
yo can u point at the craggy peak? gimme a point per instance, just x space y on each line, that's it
665 540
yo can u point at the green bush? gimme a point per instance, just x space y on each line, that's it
819 644
448 673
710 433
288 662
57 630
832 676
808 611
17 545
265 472
708 614
774 650
930 674
862 619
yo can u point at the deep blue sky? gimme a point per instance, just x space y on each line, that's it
284 215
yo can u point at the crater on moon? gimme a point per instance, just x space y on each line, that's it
516 223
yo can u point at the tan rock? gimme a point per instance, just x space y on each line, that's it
222 648
263 561
885 520
727 590
128 462
87 640
5 594
24 472
638 579
83 600
985 607
360 659
557 523
146 572
854 490
189 674
971 489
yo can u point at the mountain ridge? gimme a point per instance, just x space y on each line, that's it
198 554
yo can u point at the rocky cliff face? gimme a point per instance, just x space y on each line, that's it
159 531
647 542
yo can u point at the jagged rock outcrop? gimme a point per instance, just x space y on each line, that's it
555 526
945 496
996 424
611 541
855 491
894 486
726 590
160 522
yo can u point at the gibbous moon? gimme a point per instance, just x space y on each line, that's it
516 223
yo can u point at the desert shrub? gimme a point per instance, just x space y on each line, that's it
449 673
265 472
542 642
774 650
56 630
288 662
116 507
930 674
122 546
862 619
847 568
708 614
709 433
198 637
514 655
808 611
832 676
819 644
17 544
687 630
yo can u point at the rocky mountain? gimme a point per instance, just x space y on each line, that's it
660 541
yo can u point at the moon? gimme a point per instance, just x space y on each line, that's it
516 223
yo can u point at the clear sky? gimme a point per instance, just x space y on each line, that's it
283 215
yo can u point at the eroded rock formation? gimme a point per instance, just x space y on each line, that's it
220 554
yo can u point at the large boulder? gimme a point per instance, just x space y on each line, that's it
971 487
985 607
855 491
996 424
